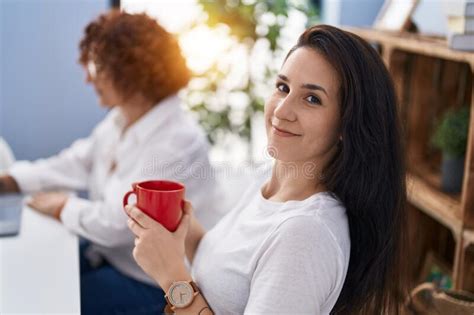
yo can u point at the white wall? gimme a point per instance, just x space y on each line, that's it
350 12
44 102
428 15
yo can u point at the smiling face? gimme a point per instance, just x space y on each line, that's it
303 114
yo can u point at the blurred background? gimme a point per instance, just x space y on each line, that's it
233 46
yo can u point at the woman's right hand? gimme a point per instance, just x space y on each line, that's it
8 184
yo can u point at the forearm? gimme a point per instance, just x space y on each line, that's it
70 169
161 254
96 221
194 236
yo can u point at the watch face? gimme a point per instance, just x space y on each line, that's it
181 294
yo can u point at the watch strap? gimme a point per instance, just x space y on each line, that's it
168 310
195 287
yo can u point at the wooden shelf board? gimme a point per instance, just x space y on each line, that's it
468 237
416 43
438 205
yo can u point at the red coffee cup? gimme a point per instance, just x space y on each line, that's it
162 200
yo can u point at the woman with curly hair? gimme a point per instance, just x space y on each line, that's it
136 68
321 232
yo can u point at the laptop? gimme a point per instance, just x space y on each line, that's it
10 214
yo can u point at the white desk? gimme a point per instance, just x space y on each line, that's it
39 269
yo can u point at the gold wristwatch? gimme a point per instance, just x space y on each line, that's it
180 295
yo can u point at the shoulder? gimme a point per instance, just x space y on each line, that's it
324 228
181 135
303 251
306 250
300 228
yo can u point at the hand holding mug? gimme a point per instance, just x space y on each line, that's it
159 252
161 200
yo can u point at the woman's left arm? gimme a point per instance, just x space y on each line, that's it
160 253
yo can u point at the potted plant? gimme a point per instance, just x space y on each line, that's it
451 138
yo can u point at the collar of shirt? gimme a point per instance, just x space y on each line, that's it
154 119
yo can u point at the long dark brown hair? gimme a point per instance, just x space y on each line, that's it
368 172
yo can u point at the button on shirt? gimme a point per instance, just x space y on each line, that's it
163 144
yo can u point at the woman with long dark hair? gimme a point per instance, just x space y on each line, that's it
322 232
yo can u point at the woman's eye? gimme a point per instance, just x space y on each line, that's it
282 87
313 100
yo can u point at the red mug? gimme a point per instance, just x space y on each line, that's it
162 200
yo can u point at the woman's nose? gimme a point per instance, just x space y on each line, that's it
284 110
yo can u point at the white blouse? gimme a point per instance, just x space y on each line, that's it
267 257
6 155
164 144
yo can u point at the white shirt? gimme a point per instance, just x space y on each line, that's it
163 144
267 257
6 155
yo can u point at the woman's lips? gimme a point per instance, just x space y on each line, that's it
283 133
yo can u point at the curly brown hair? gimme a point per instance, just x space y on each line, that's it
137 54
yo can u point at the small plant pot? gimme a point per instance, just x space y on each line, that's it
452 171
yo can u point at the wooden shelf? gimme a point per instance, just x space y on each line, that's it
438 205
467 261
430 79
428 46
468 237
